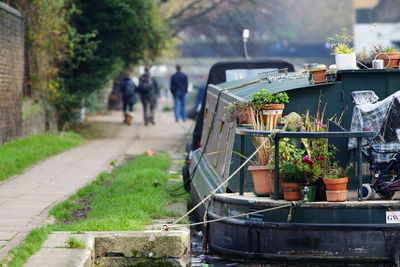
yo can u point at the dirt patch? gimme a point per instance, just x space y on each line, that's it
82 213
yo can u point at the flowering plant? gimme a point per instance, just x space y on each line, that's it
310 169
315 147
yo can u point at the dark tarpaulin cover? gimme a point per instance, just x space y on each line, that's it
383 118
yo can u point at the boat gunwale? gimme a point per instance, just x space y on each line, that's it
235 198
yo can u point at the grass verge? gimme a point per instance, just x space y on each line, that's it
126 199
17 155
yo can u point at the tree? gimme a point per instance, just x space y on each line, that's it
183 14
121 33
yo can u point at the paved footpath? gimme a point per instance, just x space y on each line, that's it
26 199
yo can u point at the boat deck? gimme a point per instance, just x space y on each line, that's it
352 200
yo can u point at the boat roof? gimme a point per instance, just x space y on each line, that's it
218 71
243 89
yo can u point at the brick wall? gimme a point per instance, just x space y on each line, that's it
11 72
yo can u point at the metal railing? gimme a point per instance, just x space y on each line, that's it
279 135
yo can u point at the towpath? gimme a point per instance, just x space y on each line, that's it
26 199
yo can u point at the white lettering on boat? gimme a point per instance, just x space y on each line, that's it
392 216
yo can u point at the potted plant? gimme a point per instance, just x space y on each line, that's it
345 56
291 181
364 60
318 75
239 112
309 170
330 75
335 179
263 169
389 55
270 105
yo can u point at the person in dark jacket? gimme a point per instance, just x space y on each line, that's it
179 86
127 88
149 94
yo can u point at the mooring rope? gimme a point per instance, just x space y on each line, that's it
222 184
294 203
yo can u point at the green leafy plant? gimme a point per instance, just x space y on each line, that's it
341 43
289 150
379 49
330 71
291 173
318 68
263 98
73 242
334 171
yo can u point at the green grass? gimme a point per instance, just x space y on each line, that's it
28 247
17 155
119 201
73 242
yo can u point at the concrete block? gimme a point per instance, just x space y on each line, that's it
144 244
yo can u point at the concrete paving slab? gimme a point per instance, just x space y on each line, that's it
7 235
60 257
59 239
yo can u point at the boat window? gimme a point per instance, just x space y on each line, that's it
205 113
237 74
221 128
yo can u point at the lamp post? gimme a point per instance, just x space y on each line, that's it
246 36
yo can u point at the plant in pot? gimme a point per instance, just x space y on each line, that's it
289 150
335 179
292 180
318 75
389 55
239 112
330 75
345 56
364 60
309 170
262 169
270 105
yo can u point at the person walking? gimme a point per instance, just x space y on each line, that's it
127 89
178 87
149 93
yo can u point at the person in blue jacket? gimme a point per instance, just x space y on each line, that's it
179 86
127 88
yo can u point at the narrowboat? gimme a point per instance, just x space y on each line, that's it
272 228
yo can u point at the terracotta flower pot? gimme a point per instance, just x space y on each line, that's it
271 115
338 184
336 196
244 116
263 179
318 76
390 60
291 191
